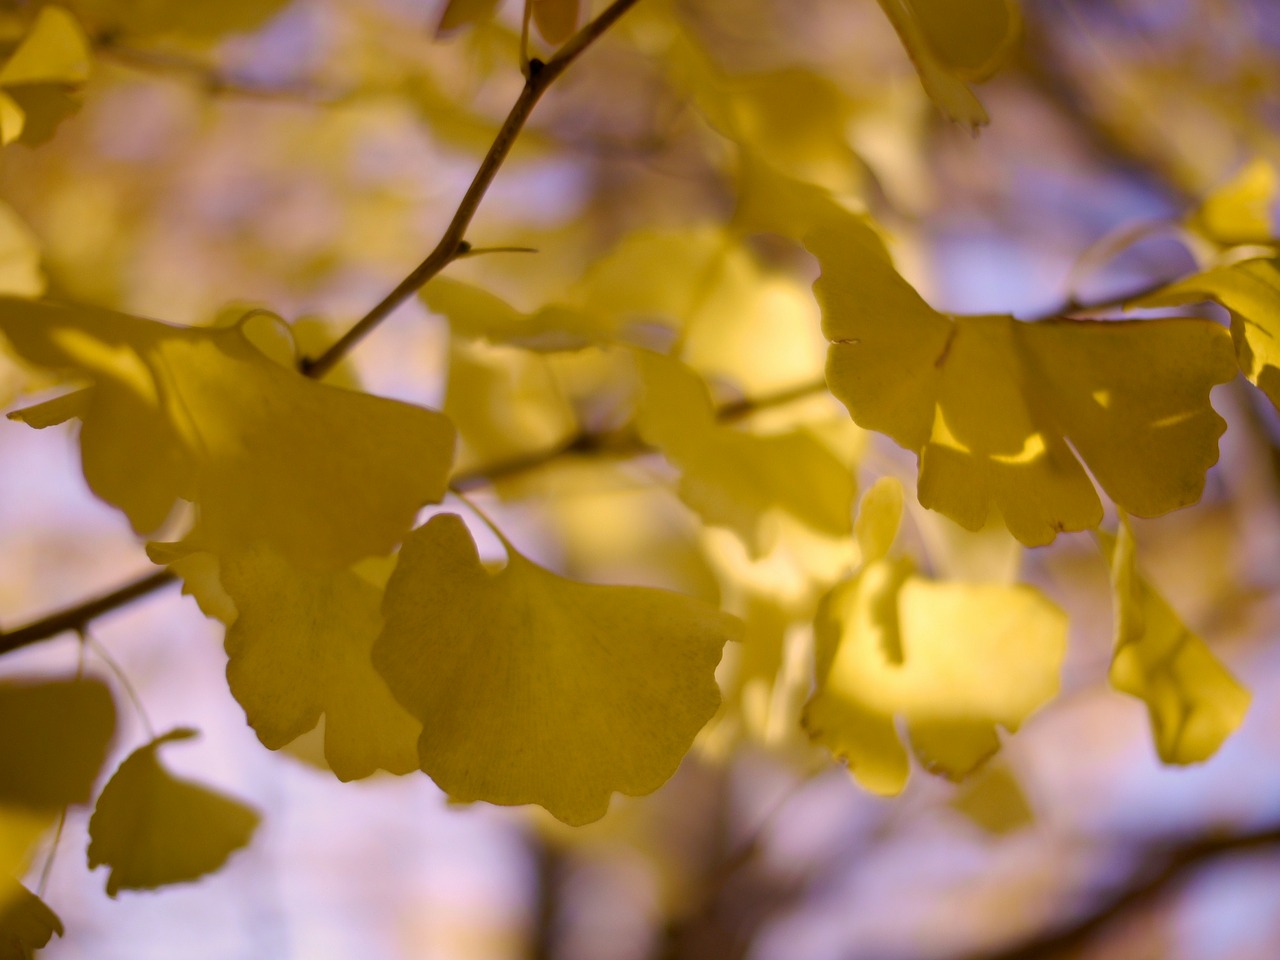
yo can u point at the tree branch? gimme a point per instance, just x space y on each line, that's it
453 243
1165 868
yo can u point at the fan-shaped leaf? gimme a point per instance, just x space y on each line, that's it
536 689
990 404
954 660
268 455
151 828
1193 700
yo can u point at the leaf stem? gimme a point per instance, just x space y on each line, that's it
452 245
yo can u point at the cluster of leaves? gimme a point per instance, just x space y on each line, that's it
294 501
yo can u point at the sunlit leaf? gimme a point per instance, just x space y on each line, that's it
536 689
299 648
505 403
1193 701
1006 415
994 801
556 19
951 43
268 455
1239 212
26 922
152 828
1251 292
476 314
56 741
55 50
20 273
464 13
954 661
731 477
197 21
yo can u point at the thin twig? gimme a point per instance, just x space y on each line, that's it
453 242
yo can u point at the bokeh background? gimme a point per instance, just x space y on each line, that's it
309 160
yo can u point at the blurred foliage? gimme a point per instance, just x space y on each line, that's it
586 509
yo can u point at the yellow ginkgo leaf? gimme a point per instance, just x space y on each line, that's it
55 50
733 478
1006 415
151 828
953 660
58 733
994 801
536 689
299 647
951 43
1239 212
1251 292
476 314
20 273
323 476
505 403
1193 700
464 13
26 922
194 21
556 19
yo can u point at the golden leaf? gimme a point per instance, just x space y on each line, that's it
536 689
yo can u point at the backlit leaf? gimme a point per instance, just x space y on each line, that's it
951 43
1005 415
152 828
1240 211
57 733
268 455
954 661
556 19
55 50
464 13
299 648
536 689
1251 292
731 477
26 922
1193 701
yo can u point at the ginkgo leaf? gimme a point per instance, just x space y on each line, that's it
58 733
1193 701
299 648
954 661
20 273
476 314
322 475
994 801
536 689
733 478
556 19
464 13
197 21
1251 292
151 828
505 403
1239 212
26 922
55 50
951 43
1005 415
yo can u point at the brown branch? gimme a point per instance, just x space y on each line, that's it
453 242
79 616
1165 869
